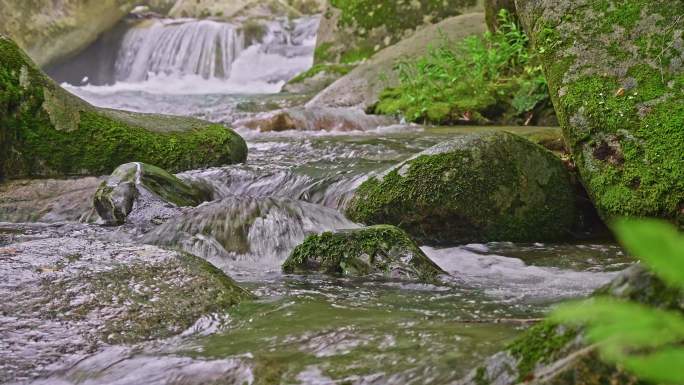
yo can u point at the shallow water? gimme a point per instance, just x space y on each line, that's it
316 329
324 330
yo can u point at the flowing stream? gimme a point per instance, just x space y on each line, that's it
318 329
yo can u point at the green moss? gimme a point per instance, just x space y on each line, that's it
622 115
322 53
384 250
49 132
394 16
335 69
542 344
357 55
492 186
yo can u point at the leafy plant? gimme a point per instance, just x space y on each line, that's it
647 341
491 75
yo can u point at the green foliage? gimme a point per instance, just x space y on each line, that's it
644 340
490 75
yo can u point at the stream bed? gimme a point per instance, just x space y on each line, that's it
318 329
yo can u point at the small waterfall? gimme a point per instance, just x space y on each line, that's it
199 47
190 57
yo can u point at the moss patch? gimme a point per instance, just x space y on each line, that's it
378 250
493 186
615 73
46 131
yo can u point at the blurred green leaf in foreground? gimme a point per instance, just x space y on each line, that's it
646 341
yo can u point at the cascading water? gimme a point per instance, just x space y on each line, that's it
203 48
310 330
171 65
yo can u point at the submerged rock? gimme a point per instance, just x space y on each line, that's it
67 291
378 250
556 354
315 119
143 187
362 86
614 69
48 200
493 186
47 132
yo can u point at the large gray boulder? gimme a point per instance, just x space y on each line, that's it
615 72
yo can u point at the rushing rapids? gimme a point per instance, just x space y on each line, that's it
310 330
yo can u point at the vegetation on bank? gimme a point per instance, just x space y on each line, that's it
495 77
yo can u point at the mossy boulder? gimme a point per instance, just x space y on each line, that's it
615 70
494 186
46 131
81 295
140 186
550 353
382 250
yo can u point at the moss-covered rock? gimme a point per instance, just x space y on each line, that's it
46 131
82 294
616 74
137 185
549 353
378 250
493 186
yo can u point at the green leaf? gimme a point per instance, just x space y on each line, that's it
643 340
657 243
665 366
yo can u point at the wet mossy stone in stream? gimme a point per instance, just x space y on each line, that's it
47 132
79 295
144 187
382 250
615 70
493 186
549 353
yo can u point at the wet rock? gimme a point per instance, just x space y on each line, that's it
146 190
315 119
494 186
556 354
48 132
615 76
362 86
48 200
67 291
382 250
352 31
51 31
